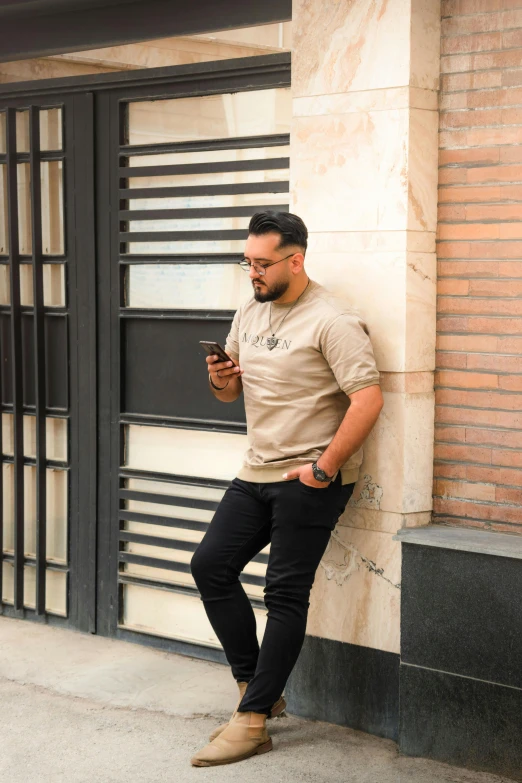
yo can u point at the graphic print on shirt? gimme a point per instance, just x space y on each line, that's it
258 341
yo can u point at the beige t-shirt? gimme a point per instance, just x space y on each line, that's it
296 394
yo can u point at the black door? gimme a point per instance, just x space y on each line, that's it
182 165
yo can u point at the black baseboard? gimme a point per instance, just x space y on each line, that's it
462 721
346 684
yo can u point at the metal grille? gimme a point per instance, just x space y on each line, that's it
25 351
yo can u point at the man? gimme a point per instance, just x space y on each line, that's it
305 364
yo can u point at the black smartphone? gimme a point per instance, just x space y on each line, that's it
214 349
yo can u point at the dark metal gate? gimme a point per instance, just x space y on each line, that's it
149 451
47 349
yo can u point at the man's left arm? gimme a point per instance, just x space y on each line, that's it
364 410
347 348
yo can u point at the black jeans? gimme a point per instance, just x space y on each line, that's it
297 521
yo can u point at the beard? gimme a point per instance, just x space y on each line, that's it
266 294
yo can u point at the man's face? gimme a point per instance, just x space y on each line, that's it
263 251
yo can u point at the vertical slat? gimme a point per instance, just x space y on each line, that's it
106 522
39 355
82 279
16 361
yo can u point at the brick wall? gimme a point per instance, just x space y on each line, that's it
478 438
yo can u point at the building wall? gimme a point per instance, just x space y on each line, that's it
478 440
363 174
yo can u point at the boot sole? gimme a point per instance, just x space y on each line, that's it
265 748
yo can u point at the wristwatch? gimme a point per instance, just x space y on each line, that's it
320 475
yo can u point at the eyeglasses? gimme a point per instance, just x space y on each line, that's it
260 268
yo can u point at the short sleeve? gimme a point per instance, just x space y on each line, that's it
347 348
232 343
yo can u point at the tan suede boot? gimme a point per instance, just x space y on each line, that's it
244 736
277 709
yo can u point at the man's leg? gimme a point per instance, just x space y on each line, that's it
302 520
239 530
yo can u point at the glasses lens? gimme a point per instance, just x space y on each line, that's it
244 265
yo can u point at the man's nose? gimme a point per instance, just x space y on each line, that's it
254 274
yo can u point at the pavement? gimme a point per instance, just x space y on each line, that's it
81 708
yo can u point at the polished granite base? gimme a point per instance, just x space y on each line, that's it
346 684
461 648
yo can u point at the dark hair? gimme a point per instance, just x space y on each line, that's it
291 228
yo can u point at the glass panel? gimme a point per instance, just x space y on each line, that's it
55 438
3 141
53 285
192 286
22 131
172 615
256 113
209 156
52 208
184 452
7 434
56 525
171 489
252 200
51 129
192 224
219 178
8 489
5 288
205 247
24 209
4 238
55 589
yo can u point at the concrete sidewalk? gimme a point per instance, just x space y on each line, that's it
80 708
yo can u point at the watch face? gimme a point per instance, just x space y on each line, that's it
319 474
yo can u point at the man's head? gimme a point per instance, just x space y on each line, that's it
276 244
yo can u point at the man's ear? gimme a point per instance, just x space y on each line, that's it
297 263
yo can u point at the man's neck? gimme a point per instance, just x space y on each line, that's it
294 291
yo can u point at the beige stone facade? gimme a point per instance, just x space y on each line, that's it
364 172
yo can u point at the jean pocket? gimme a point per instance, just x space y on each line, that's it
314 490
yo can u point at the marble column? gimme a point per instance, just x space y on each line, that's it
364 179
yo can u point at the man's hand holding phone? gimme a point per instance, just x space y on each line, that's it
222 372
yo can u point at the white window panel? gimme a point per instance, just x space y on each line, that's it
209 156
211 178
50 130
55 589
177 490
229 115
56 509
172 615
56 436
187 286
213 246
182 452
253 200
4 239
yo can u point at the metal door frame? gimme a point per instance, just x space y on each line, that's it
95 102
78 203
251 73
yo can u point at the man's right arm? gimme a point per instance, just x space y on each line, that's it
227 386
